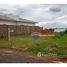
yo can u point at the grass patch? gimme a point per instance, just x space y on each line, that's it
49 44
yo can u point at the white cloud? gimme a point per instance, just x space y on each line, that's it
42 13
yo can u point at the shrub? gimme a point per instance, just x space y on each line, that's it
65 31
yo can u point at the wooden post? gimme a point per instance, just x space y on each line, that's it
8 34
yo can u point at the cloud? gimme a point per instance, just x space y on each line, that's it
44 13
47 15
55 9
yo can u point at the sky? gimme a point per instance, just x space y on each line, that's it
46 15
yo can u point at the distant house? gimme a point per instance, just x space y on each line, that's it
17 25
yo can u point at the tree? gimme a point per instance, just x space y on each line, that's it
65 31
51 29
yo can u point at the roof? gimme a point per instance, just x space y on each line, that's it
6 18
14 19
26 20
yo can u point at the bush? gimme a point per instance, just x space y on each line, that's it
65 31
52 30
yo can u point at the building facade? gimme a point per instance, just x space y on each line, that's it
17 26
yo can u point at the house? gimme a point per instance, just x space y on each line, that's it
17 25
7 20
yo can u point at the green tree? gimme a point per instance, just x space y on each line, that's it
65 31
52 30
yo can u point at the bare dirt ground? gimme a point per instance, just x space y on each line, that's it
17 56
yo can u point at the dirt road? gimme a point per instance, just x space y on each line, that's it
11 56
16 56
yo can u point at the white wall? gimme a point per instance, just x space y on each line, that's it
7 23
26 24
14 23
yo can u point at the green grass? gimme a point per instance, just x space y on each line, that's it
49 44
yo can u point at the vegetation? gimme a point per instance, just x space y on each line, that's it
65 31
48 44
51 29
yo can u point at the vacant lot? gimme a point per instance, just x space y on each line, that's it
47 45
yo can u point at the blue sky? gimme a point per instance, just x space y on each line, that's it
47 15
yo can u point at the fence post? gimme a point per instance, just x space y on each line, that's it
8 34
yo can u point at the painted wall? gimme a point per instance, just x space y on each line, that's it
25 24
14 23
7 23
